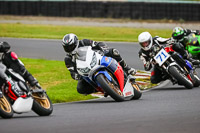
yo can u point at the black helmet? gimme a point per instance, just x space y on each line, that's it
70 43
191 39
4 46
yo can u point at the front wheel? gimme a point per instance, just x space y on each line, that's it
180 77
111 88
42 104
6 110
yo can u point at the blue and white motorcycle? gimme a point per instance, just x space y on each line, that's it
106 75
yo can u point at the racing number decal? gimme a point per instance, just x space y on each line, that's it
161 57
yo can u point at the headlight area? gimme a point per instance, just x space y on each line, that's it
94 61
84 70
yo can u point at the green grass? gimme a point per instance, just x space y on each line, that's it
54 77
93 33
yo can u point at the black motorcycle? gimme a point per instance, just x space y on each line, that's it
174 66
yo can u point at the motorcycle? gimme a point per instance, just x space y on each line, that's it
175 67
106 75
17 96
192 42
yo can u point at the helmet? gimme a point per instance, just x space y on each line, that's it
145 40
70 43
191 39
4 47
178 33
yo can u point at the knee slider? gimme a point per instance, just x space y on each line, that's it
115 52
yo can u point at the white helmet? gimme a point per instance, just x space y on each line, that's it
145 40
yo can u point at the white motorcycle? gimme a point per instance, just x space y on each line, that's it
106 75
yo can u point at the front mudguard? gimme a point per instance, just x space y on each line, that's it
105 73
112 78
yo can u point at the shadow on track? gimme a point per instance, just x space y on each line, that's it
170 89
18 116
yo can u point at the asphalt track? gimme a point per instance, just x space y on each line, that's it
166 109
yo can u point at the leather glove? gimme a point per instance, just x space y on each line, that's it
147 66
132 71
75 76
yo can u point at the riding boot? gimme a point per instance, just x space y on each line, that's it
126 68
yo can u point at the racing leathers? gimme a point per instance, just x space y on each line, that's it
84 87
10 60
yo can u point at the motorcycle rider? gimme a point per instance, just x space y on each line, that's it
71 43
180 35
10 60
146 42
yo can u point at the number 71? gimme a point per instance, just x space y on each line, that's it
162 54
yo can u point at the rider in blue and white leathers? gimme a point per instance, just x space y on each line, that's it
70 44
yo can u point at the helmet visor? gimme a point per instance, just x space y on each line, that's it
145 44
69 47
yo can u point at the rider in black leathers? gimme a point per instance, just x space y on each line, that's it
10 60
70 44
179 34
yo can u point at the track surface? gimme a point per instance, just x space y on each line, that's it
168 109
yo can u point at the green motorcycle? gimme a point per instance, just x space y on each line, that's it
192 42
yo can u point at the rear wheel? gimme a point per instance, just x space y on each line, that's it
180 77
6 110
110 88
196 79
42 104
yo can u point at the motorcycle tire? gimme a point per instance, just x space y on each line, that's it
137 92
42 104
6 110
181 78
111 89
197 81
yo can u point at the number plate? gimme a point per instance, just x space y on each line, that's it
161 57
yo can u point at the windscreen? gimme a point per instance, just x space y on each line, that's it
81 53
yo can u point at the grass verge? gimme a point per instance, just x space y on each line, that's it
94 33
